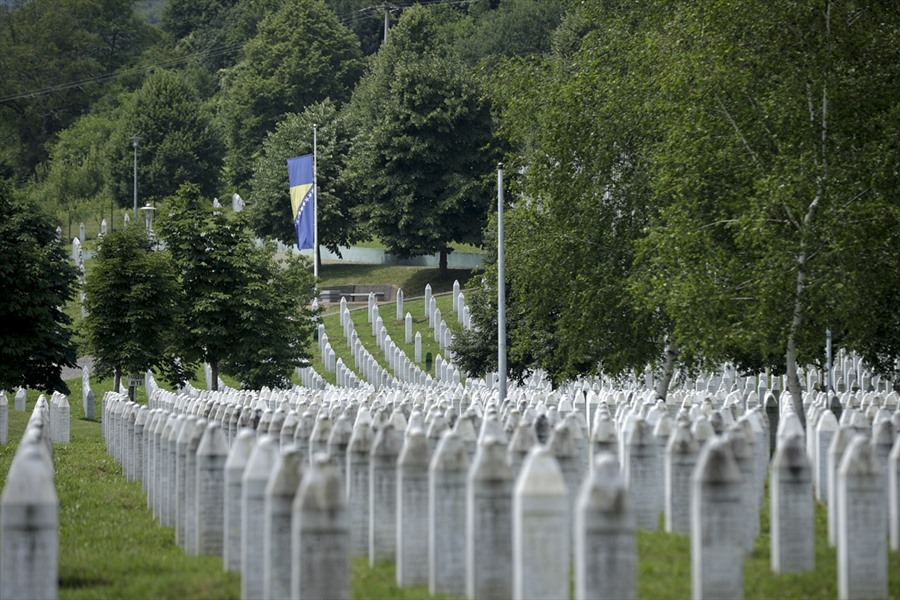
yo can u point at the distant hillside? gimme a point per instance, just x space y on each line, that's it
151 10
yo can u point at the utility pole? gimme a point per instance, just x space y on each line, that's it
387 22
134 142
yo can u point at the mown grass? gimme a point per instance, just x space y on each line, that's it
411 279
396 329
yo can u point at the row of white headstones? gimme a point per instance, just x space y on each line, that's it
476 499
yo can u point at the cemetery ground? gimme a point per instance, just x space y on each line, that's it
111 546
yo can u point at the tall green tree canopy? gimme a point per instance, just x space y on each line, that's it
53 56
36 281
775 171
269 203
133 302
579 121
300 55
245 312
422 141
178 142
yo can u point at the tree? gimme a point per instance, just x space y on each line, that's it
269 203
514 28
779 157
244 311
76 178
178 143
578 125
300 55
36 281
132 300
420 152
53 55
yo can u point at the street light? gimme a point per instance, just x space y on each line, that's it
148 219
148 216
134 142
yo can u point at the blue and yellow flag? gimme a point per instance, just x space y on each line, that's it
303 202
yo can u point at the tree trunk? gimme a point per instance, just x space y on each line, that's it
662 386
442 262
793 380
214 374
117 379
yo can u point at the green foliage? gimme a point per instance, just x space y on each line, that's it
44 46
300 55
178 143
244 311
422 132
75 180
579 180
515 28
269 205
36 280
133 300
774 170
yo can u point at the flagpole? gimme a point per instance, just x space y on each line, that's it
316 207
501 290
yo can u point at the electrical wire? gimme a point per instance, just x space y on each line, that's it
366 12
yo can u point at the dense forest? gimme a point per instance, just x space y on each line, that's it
690 183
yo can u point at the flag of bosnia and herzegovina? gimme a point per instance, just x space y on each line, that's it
303 204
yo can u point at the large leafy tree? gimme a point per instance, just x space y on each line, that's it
269 203
579 121
246 313
132 299
36 281
75 180
421 149
776 168
53 56
300 55
178 142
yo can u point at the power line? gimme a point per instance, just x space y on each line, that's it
367 12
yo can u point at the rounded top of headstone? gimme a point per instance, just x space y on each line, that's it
450 453
859 459
286 473
321 488
716 464
490 462
465 427
562 442
540 475
241 448
213 441
388 441
641 433
883 434
415 450
604 490
187 428
29 481
523 438
604 430
682 441
491 426
790 456
262 459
